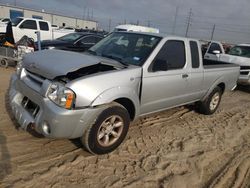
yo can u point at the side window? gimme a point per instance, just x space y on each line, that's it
213 47
194 54
29 24
88 40
97 39
171 56
44 26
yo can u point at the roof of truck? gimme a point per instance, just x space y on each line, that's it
158 35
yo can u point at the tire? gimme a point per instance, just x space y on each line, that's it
108 131
4 63
212 102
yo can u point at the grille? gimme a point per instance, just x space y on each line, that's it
244 67
34 77
244 73
30 106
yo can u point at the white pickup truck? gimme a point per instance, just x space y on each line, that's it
239 54
29 26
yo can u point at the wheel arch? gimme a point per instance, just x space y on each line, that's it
126 97
218 83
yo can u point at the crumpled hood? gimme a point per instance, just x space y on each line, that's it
54 63
242 61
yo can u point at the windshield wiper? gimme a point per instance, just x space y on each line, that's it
118 59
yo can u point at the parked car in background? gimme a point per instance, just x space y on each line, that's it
100 32
239 54
95 95
213 49
29 26
78 41
68 28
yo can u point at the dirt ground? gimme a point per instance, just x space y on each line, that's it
176 148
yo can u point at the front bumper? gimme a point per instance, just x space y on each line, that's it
244 79
62 123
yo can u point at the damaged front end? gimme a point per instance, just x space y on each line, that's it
86 71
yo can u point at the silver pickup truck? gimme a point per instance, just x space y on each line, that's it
95 95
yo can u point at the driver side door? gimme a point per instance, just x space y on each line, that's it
164 84
28 28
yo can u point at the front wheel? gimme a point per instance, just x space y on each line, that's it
211 104
108 131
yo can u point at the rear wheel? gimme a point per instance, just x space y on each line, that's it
211 104
108 131
4 63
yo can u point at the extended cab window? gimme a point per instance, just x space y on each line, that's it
213 47
194 54
171 56
29 24
44 26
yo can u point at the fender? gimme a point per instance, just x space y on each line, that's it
216 83
116 93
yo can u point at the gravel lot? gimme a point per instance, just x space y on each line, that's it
175 148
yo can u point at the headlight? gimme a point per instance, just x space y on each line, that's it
61 95
51 47
19 68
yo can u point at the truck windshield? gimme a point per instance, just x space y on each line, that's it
16 21
127 48
243 51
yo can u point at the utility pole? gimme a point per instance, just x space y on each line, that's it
92 14
84 12
149 24
88 14
212 35
189 22
137 23
175 19
110 24
125 21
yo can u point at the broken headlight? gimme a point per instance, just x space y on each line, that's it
61 95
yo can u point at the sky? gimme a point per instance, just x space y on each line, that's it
230 18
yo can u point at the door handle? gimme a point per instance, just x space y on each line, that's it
185 76
206 56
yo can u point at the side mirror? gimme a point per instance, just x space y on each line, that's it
159 65
216 52
21 26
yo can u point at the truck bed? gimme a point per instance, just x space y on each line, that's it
211 64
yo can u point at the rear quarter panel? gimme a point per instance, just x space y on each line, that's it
214 76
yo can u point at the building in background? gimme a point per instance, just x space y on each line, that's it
7 11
